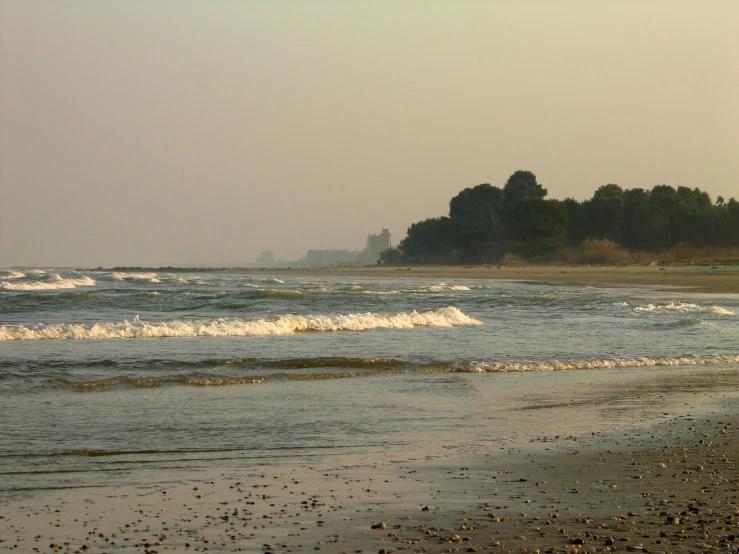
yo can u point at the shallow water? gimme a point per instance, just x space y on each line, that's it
114 377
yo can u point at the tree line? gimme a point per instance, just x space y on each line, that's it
487 222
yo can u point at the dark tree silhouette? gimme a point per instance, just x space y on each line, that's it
482 205
391 256
520 185
486 221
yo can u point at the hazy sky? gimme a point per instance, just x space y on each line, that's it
158 132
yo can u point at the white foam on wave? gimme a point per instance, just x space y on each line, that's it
187 280
234 327
273 280
12 274
380 292
181 280
149 277
314 288
683 307
559 365
443 287
720 311
57 282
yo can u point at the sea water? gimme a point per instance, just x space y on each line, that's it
118 377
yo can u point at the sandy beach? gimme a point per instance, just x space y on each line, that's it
704 278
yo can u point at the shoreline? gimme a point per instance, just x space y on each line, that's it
668 486
712 279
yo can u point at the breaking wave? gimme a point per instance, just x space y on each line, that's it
441 287
12 274
249 281
349 368
56 282
683 307
275 293
254 291
148 277
558 365
235 327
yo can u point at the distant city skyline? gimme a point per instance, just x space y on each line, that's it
197 133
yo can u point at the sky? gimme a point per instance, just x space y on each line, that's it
195 132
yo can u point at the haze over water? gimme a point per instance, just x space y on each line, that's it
123 377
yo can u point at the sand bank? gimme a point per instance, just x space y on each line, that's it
717 279
667 487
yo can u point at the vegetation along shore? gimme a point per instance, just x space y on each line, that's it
517 222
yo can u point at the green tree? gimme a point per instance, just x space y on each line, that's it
482 205
541 225
604 213
445 240
391 256
520 185
663 207
485 221
578 228
694 218
731 223
636 224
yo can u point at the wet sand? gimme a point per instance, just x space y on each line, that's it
712 278
667 487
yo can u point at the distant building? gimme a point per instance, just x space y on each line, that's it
375 245
329 258
266 259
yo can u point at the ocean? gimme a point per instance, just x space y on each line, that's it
119 377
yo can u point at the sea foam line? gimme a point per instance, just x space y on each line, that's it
234 327
560 365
